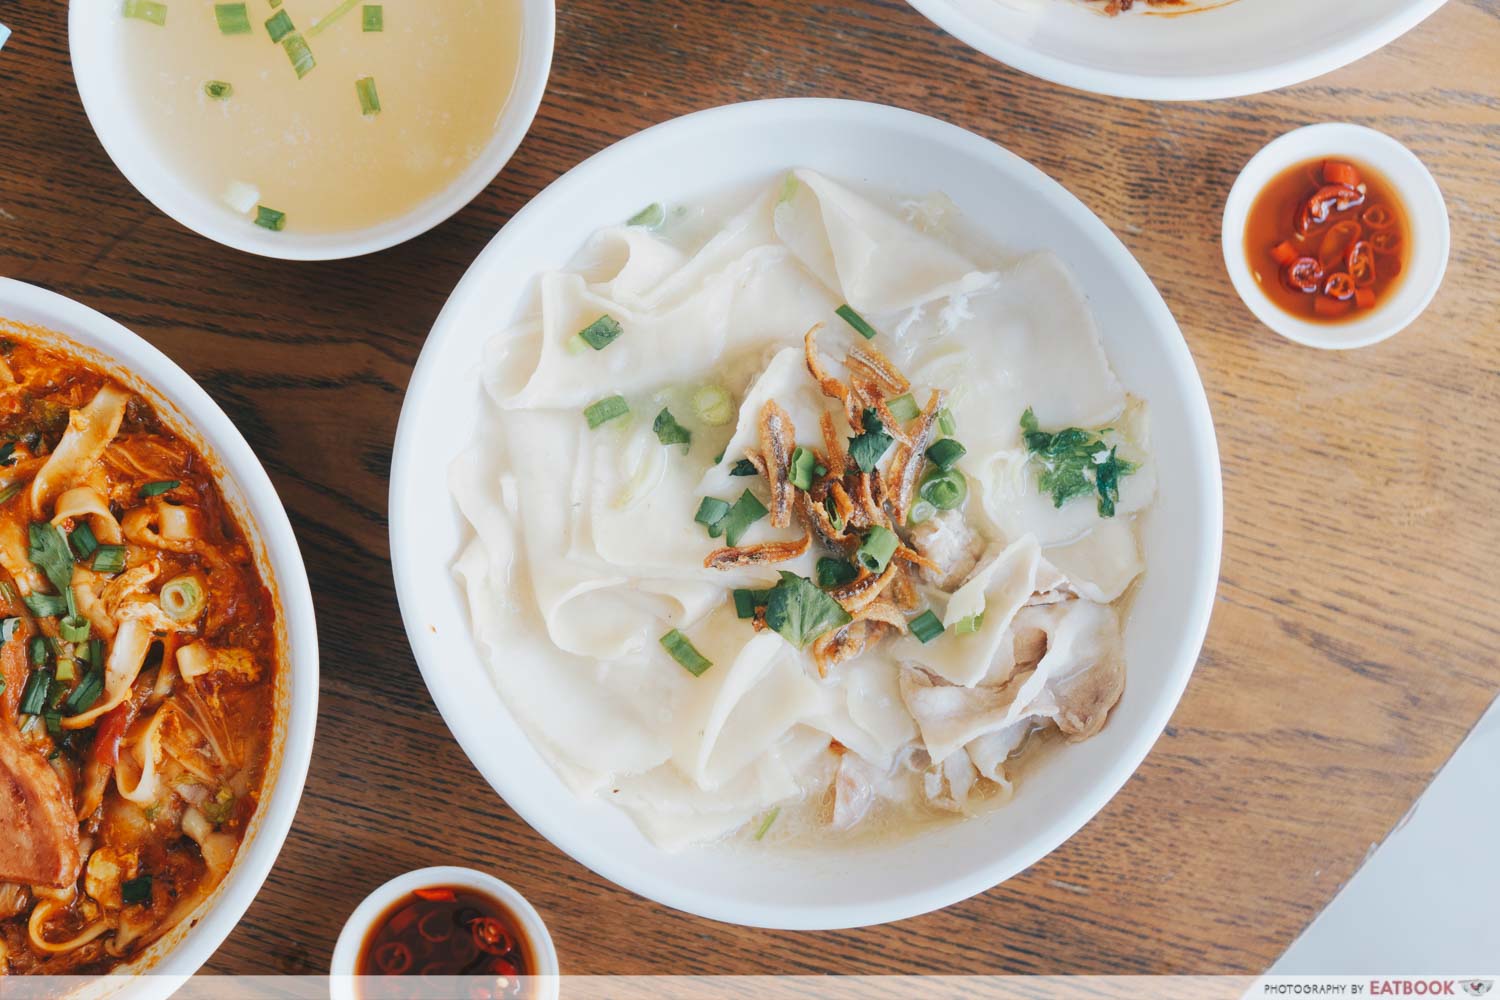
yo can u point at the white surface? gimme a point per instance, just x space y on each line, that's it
254 500
1428 900
687 160
1244 47
1427 218
117 123
4 34
346 951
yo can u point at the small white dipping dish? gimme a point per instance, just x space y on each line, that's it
117 123
1427 215
362 921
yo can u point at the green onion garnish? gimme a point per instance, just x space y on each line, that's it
669 431
327 19
877 548
605 410
301 56
34 694
64 668
800 474
74 628
830 572
969 624
746 601
136 890
83 541
86 693
38 651
744 467
233 18
946 423
713 406
944 490
685 653
369 98
269 218
855 320
279 25
711 514
46 605
745 512
601 332
904 408
8 629
372 17
96 653
926 627
160 486
10 491
108 559
146 10
7 452
834 518
54 725
765 824
945 453
218 90
921 512
649 217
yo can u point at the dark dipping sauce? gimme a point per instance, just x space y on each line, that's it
1327 240
446 931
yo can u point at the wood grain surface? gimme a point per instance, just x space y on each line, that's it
1355 637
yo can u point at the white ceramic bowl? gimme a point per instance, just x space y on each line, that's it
117 122
360 922
727 148
1427 217
1226 49
192 414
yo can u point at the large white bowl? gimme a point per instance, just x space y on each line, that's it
690 158
1226 49
189 411
117 122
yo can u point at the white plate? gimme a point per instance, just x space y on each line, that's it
1225 49
689 159
189 411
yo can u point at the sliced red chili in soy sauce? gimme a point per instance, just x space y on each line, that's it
446 931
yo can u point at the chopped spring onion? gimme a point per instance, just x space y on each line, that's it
369 97
34 694
685 653
136 890
669 431
746 601
219 90
605 410
745 512
945 453
649 217
64 668
921 512
765 824
86 693
279 25
904 408
74 628
946 423
855 320
834 518
83 541
108 559
96 654
8 629
944 490
270 218
327 19
38 650
54 727
372 17
182 598
711 514
713 405
146 10
926 627
877 548
871 444
830 572
802 468
744 467
233 18
601 332
10 491
297 51
969 624
160 486
7 452
46 605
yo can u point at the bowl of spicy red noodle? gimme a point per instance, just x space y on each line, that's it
1336 236
445 932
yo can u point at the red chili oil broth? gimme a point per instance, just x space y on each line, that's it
1273 223
445 930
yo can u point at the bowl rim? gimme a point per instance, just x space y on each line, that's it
577 843
132 155
1418 189
194 940
1212 86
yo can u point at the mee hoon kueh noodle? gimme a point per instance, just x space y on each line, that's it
809 516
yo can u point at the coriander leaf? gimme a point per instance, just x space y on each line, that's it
1107 479
49 552
745 512
799 612
868 448
744 467
669 431
1074 462
832 572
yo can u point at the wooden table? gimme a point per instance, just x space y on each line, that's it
1355 637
